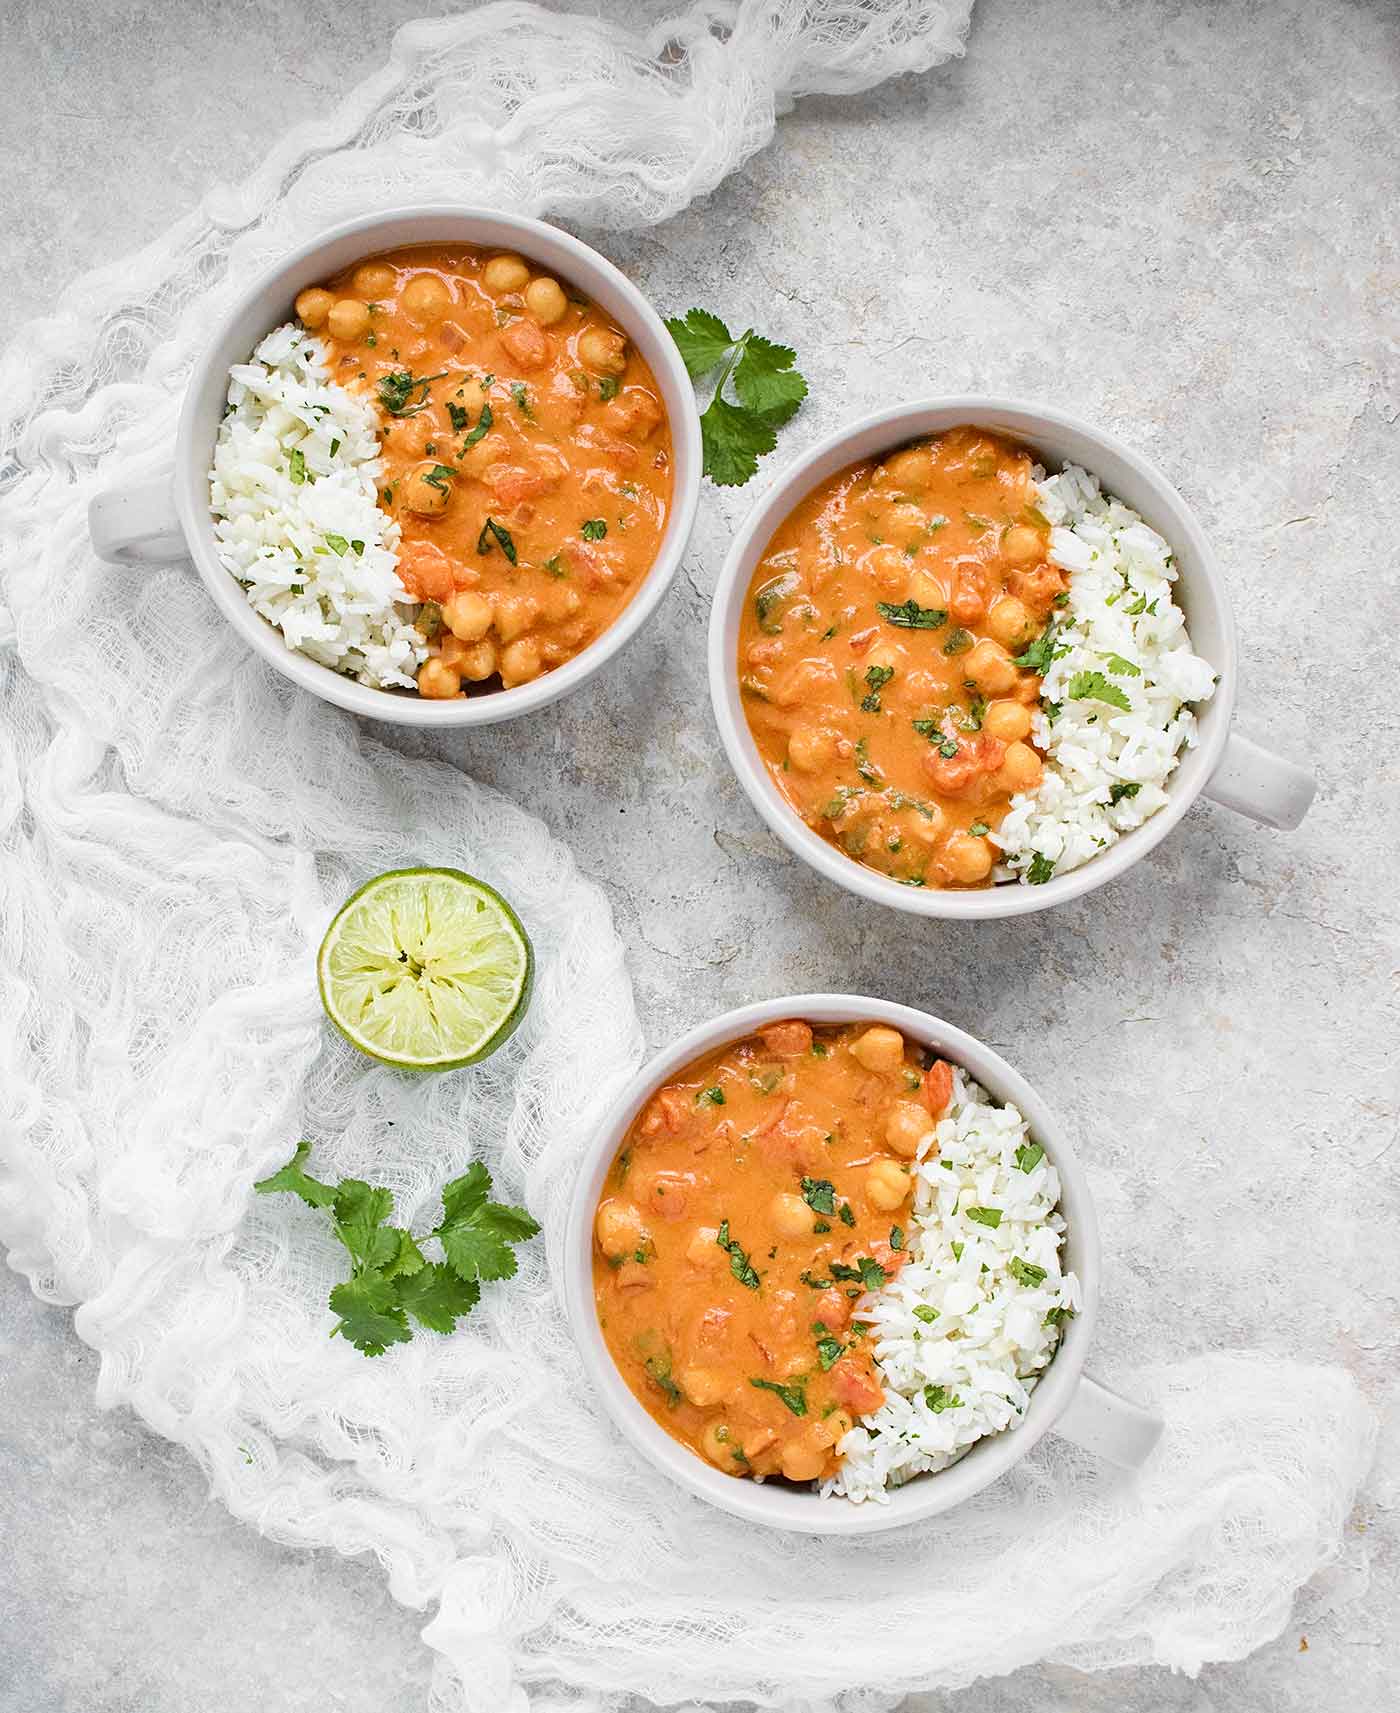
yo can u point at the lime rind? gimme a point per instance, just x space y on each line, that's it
426 969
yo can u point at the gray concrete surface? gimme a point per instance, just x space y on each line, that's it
1176 217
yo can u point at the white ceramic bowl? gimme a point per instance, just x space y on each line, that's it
1065 1399
168 519
1224 765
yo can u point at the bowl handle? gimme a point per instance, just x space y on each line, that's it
1256 782
1108 1425
134 525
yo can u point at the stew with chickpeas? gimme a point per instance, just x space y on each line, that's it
527 455
885 654
755 1200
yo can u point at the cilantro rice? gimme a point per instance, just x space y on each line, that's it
964 1329
1119 678
297 519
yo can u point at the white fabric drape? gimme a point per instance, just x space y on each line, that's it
177 824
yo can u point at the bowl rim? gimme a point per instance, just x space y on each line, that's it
777 1505
467 223
904 422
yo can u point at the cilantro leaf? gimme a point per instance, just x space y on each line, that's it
925 1312
360 1210
737 431
940 1398
1025 1272
819 1194
739 1264
1093 686
766 381
1123 668
911 615
436 1296
1036 657
733 440
828 1352
988 1216
370 1316
1123 788
493 531
795 1397
1042 867
294 1179
702 339
477 1234
479 432
1028 1156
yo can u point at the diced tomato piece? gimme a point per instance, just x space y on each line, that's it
527 343
856 1387
670 1111
788 1040
426 572
938 1087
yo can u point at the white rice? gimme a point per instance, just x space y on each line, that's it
305 536
1105 767
988 1337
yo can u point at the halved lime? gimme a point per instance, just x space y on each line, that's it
426 968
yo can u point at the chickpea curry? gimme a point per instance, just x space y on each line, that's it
526 453
754 1202
888 654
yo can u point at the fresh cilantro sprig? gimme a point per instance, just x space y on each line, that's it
391 1278
736 432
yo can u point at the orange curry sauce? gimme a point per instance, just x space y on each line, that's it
750 1207
878 654
527 456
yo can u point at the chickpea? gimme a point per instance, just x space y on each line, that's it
811 748
969 859
438 681
411 435
619 1228
880 1048
520 662
790 1215
1007 721
926 590
1008 621
504 274
348 319
910 471
925 827
313 306
478 660
908 1128
703 1250
467 615
545 300
560 602
635 1276
1020 544
789 1039
887 1185
514 615
833 1429
452 651
373 280
703 1386
1021 769
426 497
602 350
989 667
802 1460
887 567
425 299
719 1445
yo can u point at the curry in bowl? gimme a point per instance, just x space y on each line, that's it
449 475
822 1255
959 669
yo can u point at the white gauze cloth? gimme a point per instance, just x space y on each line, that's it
178 824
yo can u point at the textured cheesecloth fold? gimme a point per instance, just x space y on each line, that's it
177 826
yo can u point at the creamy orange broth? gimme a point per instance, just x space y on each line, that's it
750 1206
527 455
877 654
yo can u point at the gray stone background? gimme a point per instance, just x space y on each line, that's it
1176 216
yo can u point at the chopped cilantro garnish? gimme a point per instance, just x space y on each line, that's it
1122 789
521 394
909 615
847 1215
1042 867
439 476
1093 686
712 1096
896 1237
405 394
483 423
923 1312
607 387
867 1272
296 466
795 1397
988 1216
492 531
1058 1316
1028 1156
338 545
738 1257
828 1352
1036 657
1124 668
593 529
819 1194
864 766
940 1398
1026 1272
458 416
979 829
958 642
876 677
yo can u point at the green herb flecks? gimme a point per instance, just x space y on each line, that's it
988 1216
940 1398
795 1397
819 1194
493 532
1093 686
876 678
712 1096
738 1257
483 423
1123 790
1025 1272
404 394
1028 1156
593 529
909 615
